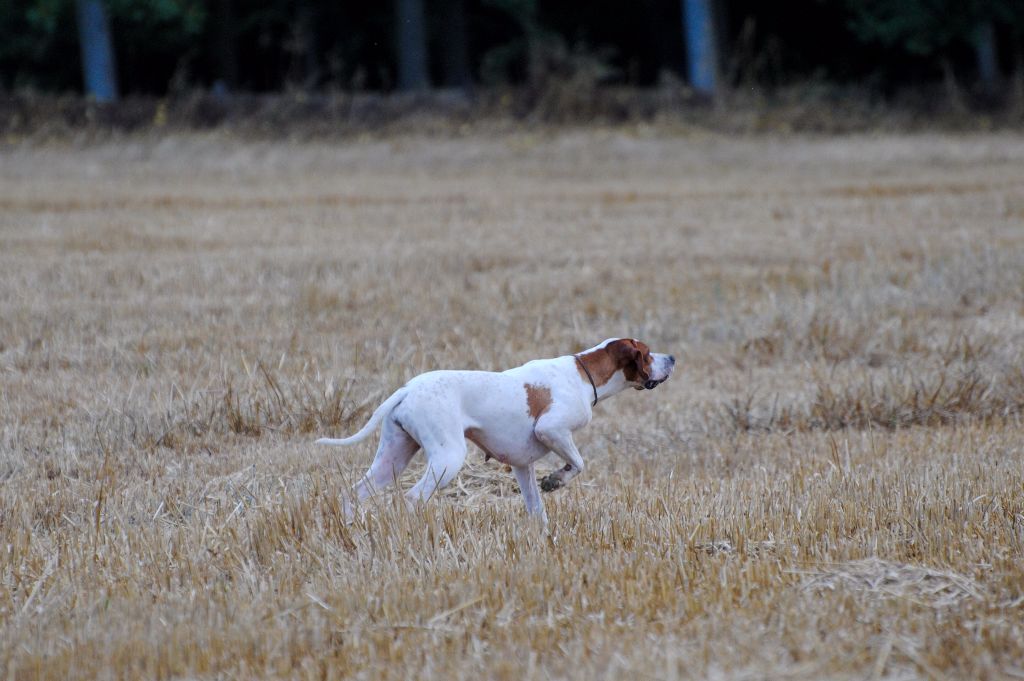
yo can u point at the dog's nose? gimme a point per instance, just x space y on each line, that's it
671 359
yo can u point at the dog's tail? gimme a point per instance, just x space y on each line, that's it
378 415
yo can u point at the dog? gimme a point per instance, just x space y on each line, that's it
515 416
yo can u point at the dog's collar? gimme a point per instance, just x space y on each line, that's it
589 377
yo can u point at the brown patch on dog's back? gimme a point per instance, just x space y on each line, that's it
538 399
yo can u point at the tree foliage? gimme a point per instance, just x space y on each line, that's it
930 27
266 45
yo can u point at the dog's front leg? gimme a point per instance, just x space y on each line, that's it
559 478
559 440
531 495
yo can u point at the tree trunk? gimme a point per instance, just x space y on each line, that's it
988 64
1016 106
305 71
701 45
455 52
97 54
411 38
953 94
225 49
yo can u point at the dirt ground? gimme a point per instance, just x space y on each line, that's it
831 486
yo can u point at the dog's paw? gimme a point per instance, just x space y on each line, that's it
549 483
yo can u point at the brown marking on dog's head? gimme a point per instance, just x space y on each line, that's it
635 359
631 357
538 399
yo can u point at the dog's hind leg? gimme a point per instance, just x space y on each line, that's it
394 453
443 464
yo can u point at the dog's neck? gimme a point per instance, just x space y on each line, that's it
616 384
590 378
599 377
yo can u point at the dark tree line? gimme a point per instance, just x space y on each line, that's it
165 46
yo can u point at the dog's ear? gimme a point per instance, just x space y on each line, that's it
640 363
630 357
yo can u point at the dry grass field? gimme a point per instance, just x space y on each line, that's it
830 487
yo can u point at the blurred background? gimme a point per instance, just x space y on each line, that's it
565 59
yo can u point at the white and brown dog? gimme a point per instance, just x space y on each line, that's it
516 416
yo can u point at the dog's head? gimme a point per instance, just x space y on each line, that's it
640 368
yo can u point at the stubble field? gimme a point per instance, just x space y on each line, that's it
831 485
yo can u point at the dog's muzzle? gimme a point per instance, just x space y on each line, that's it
652 383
